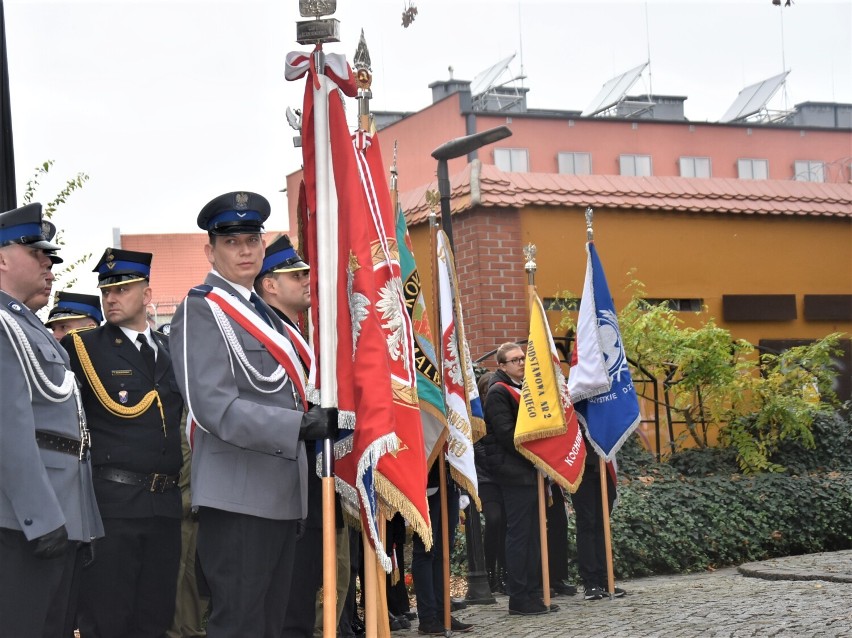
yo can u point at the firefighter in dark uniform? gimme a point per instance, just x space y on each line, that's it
134 410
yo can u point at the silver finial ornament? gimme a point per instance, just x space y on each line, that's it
318 30
529 253
317 8
590 235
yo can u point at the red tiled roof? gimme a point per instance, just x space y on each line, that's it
485 185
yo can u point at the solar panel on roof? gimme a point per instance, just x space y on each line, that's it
485 80
753 98
613 90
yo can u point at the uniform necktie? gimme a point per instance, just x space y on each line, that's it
147 352
255 301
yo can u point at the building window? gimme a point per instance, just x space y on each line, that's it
574 163
753 168
512 160
808 171
695 167
636 165
678 305
759 307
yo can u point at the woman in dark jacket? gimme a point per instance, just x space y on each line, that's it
516 478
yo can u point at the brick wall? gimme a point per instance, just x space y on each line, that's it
492 281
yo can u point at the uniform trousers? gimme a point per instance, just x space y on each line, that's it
523 547
427 567
129 590
557 535
247 562
591 544
38 597
307 579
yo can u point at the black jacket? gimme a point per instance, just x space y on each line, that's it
504 464
137 444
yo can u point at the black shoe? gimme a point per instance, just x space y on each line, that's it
432 627
529 607
410 615
397 623
457 604
563 588
591 592
618 592
459 626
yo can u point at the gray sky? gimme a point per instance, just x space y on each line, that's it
166 104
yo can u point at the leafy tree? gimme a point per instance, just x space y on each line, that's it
712 380
68 272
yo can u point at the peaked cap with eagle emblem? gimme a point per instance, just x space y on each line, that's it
123 267
238 213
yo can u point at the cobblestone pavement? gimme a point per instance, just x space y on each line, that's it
800 596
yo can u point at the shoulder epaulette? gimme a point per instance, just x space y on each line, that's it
83 329
202 290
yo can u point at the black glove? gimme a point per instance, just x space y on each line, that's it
52 544
301 528
318 423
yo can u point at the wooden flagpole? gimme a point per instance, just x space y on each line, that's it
530 267
610 574
590 237
442 466
375 602
326 272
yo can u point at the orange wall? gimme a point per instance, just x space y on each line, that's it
699 256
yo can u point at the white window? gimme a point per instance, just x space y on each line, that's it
637 165
574 163
808 171
512 160
753 168
695 167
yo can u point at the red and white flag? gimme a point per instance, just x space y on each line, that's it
383 461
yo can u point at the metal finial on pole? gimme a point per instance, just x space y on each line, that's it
394 173
530 265
364 80
590 234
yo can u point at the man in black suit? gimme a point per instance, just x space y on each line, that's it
134 409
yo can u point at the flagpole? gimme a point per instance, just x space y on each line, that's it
530 267
316 32
442 468
602 469
375 605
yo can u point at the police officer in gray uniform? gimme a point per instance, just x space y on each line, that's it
244 387
47 502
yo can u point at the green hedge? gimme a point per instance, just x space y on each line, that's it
697 512
688 524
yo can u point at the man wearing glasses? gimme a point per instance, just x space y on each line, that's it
517 479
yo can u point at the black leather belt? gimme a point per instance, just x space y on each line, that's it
58 443
153 482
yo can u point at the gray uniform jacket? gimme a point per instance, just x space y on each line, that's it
246 456
40 489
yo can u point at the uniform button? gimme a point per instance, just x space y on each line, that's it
278 452
28 521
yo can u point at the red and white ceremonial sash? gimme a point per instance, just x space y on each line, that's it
279 346
306 354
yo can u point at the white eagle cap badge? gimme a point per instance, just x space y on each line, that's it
241 201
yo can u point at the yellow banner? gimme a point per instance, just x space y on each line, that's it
541 413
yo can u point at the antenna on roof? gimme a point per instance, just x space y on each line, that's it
614 90
752 100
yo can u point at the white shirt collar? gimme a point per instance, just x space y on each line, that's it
245 292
